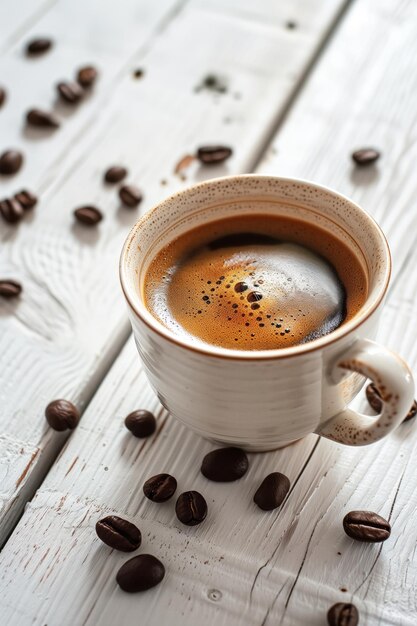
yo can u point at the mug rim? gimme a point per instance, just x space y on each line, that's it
146 317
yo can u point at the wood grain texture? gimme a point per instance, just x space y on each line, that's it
62 336
243 566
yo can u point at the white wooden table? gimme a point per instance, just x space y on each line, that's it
308 81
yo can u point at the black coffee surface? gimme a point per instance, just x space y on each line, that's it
261 286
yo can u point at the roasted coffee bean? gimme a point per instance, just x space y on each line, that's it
42 119
191 508
38 46
70 91
10 288
366 156
141 423
212 155
225 464
88 215
10 162
272 491
343 614
87 76
115 174
11 210
130 196
374 398
62 415
140 573
160 488
118 533
26 199
3 96
366 526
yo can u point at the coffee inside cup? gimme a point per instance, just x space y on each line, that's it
255 282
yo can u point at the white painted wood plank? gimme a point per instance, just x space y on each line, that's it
62 336
16 20
281 567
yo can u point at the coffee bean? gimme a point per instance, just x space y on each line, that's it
62 415
130 196
240 287
374 398
10 288
212 155
160 488
225 464
11 210
42 119
26 199
118 533
3 96
366 156
10 162
88 215
87 76
141 423
191 508
343 614
115 174
366 526
70 91
272 491
140 573
38 46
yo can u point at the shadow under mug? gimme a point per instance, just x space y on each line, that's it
261 400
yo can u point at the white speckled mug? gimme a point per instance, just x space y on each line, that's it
260 400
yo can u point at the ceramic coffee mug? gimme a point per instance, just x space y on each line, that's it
260 400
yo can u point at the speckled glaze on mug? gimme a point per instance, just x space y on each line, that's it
261 400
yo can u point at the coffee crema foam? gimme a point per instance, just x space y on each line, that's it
255 283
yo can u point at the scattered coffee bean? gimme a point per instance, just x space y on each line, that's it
42 119
130 196
3 96
184 163
115 174
11 210
374 398
160 488
87 76
272 491
118 533
26 199
212 155
191 508
343 614
62 415
225 464
140 573
141 423
366 526
88 215
38 46
10 288
10 162
366 156
70 91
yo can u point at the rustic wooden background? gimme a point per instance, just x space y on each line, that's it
307 82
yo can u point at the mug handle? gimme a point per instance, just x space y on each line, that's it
394 381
